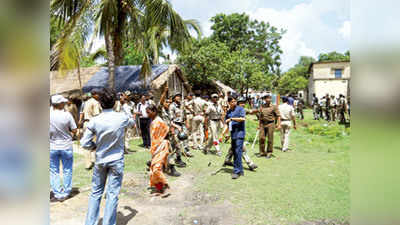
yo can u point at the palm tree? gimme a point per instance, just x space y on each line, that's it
151 22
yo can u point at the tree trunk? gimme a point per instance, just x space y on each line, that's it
117 36
80 80
155 56
111 60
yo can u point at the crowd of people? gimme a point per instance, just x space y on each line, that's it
331 108
171 130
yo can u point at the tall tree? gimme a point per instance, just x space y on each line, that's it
334 56
117 20
237 31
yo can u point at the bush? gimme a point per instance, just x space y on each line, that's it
329 130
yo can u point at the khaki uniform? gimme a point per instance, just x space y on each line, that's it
189 119
214 115
342 105
333 109
117 107
177 117
92 108
267 115
199 106
287 113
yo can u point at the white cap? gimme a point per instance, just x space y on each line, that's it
214 96
57 99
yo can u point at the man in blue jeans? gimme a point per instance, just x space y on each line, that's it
62 126
109 128
235 118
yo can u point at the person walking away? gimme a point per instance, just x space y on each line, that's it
228 158
91 110
256 102
315 106
287 116
199 106
62 125
109 129
235 118
267 115
290 100
144 121
213 121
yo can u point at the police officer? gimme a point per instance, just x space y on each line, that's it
342 109
177 117
268 114
333 108
199 106
189 114
315 106
213 122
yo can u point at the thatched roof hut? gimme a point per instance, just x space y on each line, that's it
126 78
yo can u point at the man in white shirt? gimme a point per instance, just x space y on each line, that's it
144 121
62 126
287 115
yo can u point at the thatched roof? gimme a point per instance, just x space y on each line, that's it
127 76
68 81
224 87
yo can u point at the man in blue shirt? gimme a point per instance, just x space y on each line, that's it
290 100
109 128
235 118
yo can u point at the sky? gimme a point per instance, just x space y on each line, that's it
313 26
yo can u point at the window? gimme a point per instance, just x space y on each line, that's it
338 73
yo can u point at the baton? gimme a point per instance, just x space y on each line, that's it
255 139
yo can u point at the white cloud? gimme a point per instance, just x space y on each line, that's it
309 28
345 30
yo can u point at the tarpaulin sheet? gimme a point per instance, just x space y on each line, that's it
126 78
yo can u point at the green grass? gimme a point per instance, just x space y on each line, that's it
309 183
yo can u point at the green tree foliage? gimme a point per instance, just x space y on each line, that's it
237 31
296 78
207 60
291 82
334 56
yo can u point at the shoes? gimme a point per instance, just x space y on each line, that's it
173 171
227 163
219 154
235 175
269 155
90 167
180 163
260 155
252 167
187 153
204 152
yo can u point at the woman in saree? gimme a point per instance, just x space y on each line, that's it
159 150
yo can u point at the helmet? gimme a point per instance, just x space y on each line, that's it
182 136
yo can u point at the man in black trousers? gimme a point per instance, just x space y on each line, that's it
144 121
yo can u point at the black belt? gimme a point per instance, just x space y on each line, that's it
144 118
284 120
178 123
215 119
267 122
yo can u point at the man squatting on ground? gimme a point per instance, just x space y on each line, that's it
109 128
245 156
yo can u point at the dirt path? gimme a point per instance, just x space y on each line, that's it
137 206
